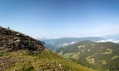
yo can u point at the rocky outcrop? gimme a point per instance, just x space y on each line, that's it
12 41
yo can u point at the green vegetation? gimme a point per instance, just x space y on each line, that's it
23 60
101 56
3 53
19 52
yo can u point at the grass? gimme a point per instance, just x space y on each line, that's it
3 54
47 61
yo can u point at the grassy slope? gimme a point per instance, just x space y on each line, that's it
100 56
47 60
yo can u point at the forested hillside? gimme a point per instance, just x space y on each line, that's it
100 56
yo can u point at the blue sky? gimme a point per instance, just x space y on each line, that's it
61 18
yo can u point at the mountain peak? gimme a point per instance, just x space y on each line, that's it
12 41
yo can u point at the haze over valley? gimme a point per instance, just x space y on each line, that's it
59 35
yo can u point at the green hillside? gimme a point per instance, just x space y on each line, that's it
19 52
101 56
46 61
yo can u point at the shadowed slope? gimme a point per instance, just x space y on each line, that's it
11 41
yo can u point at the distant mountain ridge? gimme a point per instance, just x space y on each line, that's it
114 37
54 44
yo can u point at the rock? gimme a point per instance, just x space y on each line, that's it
11 41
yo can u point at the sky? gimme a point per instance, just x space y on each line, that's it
61 18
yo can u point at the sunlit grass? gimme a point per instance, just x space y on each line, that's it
45 60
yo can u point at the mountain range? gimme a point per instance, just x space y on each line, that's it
54 44
20 52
